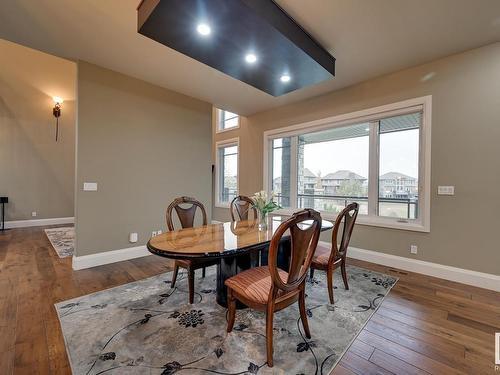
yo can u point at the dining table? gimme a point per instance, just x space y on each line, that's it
236 245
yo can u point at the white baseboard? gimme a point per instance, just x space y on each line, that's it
93 260
459 275
38 222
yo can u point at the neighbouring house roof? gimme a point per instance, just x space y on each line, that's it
395 175
308 173
343 175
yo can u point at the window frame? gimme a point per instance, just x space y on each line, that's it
219 122
371 115
218 145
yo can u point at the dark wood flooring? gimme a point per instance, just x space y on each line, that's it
425 325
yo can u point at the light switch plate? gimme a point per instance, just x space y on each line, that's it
90 186
446 190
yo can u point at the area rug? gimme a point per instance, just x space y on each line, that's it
62 240
146 327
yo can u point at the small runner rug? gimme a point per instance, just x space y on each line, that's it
62 240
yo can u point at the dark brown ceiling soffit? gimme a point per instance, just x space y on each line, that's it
236 29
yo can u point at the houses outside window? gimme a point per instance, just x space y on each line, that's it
379 158
226 183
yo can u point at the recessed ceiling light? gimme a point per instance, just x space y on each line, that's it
285 78
250 58
203 29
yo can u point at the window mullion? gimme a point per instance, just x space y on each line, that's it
373 172
268 178
222 175
293 171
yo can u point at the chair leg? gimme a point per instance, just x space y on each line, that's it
344 274
311 273
329 279
191 285
174 275
269 333
231 308
303 314
203 272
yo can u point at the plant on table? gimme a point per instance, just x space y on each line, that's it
264 204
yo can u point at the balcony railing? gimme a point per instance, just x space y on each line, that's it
403 208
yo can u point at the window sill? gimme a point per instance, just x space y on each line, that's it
218 130
221 205
370 221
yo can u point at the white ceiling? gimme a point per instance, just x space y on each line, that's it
369 38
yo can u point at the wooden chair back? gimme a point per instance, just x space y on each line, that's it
348 216
304 238
186 215
240 206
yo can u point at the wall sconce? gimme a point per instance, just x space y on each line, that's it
56 111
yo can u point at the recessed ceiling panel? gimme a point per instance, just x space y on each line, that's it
254 41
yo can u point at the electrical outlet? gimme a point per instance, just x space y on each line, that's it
446 190
33 214
153 233
133 237
413 249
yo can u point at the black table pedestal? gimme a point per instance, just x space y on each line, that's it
230 266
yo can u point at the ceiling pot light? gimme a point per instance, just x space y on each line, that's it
285 78
203 29
250 58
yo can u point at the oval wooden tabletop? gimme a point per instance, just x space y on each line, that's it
218 240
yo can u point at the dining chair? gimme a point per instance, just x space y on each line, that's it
270 289
240 207
186 217
328 258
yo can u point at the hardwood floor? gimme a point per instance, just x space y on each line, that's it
425 325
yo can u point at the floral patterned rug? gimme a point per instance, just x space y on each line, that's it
147 327
62 240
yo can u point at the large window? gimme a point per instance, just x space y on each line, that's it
379 158
399 139
226 172
227 120
330 174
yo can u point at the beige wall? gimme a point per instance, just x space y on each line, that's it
144 146
465 153
36 172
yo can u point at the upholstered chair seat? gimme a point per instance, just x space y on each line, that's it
255 284
322 255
